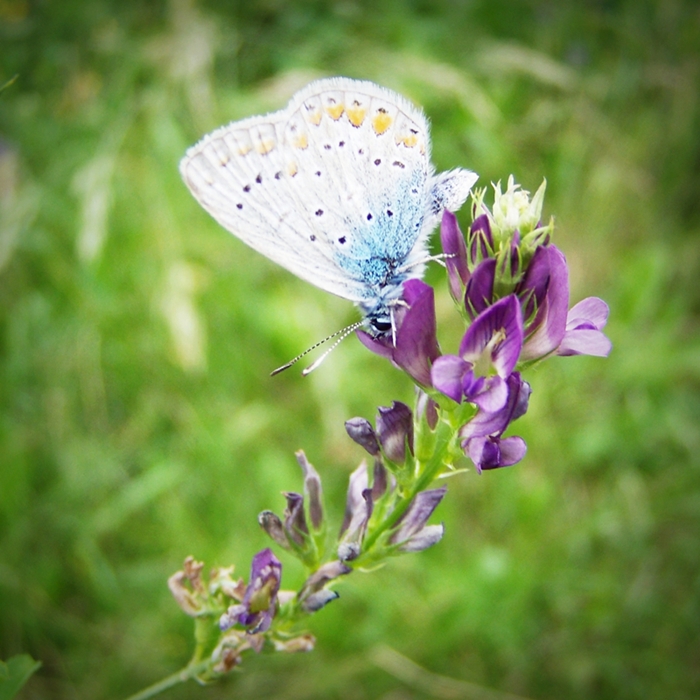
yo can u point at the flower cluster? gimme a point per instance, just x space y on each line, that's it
232 617
511 286
401 522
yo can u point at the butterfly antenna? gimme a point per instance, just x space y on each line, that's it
439 258
343 333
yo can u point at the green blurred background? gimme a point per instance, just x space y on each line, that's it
138 423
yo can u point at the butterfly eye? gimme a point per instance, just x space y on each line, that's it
380 325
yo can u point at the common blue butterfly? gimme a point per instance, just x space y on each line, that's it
337 188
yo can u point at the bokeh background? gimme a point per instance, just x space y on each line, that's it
138 422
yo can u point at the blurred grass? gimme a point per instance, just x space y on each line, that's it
138 422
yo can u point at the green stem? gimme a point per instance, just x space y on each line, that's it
185 674
428 473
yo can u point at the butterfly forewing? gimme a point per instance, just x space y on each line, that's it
338 179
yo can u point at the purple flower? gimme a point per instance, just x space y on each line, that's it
455 250
314 594
481 436
492 452
260 600
544 294
583 334
413 535
488 354
416 328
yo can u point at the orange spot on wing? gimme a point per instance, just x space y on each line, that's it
335 111
301 141
265 146
381 122
409 140
356 115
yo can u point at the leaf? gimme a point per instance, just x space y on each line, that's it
14 673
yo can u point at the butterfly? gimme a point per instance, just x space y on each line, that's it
337 188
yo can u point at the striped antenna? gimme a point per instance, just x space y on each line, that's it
343 333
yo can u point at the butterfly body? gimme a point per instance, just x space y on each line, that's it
337 188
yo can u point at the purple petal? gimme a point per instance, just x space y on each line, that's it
231 616
481 239
427 537
379 346
322 576
499 331
359 481
426 406
380 480
533 287
416 341
351 544
272 524
294 518
413 290
513 449
455 250
414 519
481 451
265 565
521 390
493 452
479 293
394 428
591 313
312 489
585 342
545 332
447 374
314 602
493 395
261 593
484 424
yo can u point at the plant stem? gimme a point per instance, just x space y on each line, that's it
184 674
428 473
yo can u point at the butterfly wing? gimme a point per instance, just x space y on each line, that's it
337 181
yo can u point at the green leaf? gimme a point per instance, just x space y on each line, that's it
14 673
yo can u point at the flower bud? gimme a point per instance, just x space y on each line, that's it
312 490
360 430
395 428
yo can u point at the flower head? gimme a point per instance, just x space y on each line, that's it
259 603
